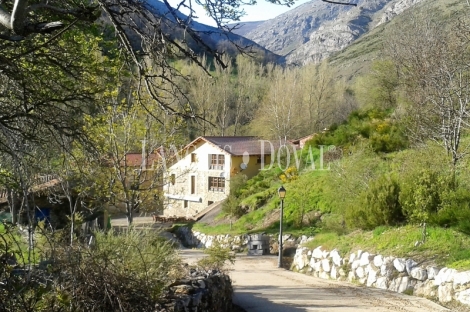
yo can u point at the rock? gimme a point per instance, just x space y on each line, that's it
432 272
202 284
312 262
197 299
461 278
378 261
317 253
360 272
352 257
463 296
300 258
317 267
325 263
399 264
341 272
325 254
387 269
372 275
445 275
333 272
324 275
382 282
355 264
351 276
419 273
336 258
425 289
364 259
410 264
402 284
183 289
445 292
359 254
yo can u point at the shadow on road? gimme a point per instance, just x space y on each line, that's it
253 299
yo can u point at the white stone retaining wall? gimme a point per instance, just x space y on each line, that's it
191 238
395 274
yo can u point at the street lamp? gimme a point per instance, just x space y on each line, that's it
282 193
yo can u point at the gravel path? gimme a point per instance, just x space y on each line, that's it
260 286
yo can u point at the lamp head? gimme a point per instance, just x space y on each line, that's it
282 192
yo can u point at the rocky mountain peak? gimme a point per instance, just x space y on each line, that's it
316 29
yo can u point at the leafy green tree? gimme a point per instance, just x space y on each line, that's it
380 87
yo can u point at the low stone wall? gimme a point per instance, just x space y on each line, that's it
209 291
394 274
190 238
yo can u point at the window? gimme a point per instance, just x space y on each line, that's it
217 162
216 184
193 184
185 204
193 157
173 179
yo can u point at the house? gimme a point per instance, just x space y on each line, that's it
200 174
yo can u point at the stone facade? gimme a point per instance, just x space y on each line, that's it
390 273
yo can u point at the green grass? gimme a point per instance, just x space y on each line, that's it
443 247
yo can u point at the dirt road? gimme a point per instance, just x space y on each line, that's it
262 287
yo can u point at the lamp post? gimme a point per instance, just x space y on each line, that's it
282 193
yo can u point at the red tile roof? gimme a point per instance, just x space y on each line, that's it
238 145
135 159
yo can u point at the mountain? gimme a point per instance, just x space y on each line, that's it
316 29
215 38
356 58
243 28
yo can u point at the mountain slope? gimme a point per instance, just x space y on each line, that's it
356 58
314 30
215 38
243 28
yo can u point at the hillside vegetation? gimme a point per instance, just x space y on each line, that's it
397 178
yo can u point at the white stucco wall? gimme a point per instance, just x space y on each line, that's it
176 194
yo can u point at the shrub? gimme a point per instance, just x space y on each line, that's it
378 205
121 272
423 192
217 256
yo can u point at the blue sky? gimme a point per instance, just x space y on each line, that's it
259 12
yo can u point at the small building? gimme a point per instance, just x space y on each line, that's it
258 244
300 143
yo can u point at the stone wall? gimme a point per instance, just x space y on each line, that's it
237 243
209 291
394 274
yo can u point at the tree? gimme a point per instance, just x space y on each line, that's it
380 87
320 94
280 114
434 69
